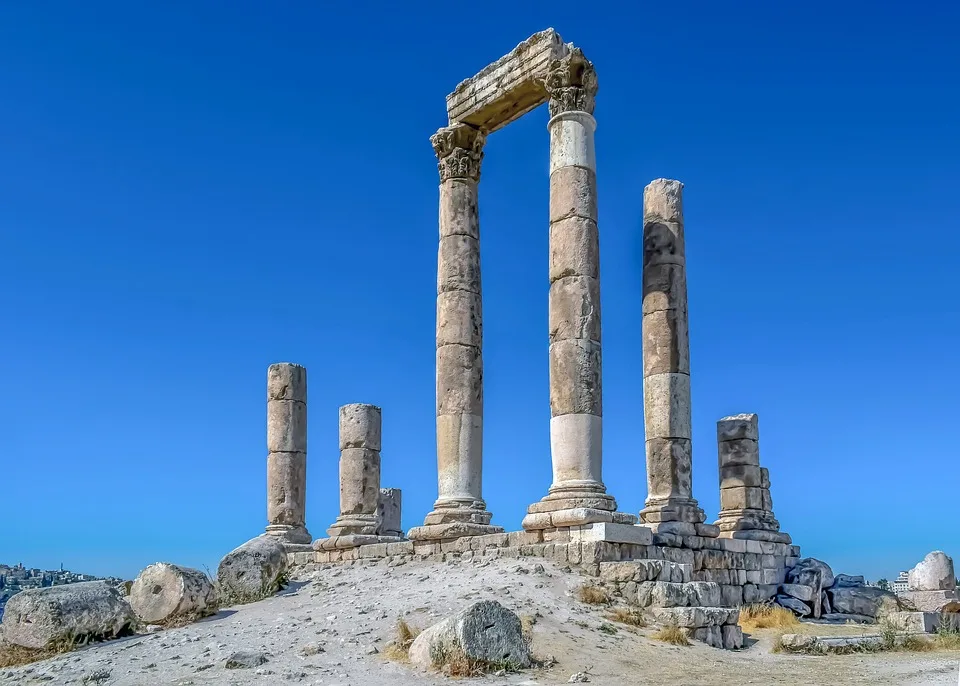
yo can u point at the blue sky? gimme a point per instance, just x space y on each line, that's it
192 191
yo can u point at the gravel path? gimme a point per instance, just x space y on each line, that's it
331 627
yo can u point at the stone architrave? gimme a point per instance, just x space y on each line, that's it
577 495
360 444
459 509
746 508
287 452
670 505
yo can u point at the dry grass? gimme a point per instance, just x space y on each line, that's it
766 616
399 648
671 633
456 664
15 656
527 623
593 595
627 615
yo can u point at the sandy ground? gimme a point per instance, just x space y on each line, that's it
351 613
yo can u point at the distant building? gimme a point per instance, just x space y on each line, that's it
900 584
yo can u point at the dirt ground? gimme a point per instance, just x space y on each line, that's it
351 614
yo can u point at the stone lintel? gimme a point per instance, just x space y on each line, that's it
352 541
508 88
612 533
451 530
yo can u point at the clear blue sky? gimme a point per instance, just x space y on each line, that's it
190 191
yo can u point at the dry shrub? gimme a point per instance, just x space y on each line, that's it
947 640
627 615
671 633
778 646
399 648
767 616
593 595
455 663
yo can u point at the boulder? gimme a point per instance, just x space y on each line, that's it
798 606
848 580
485 632
933 573
826 574
862 600
165 592
932 601
798 591
253 571
69 614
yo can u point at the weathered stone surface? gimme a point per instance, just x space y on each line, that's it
932 601
245 659
739 451
575 378
360 426
163 592
668 594
840 618
62 615
359 481
286 426
389 511
934 573
799 591
732 636
666 400
797 606
926 622
613 533
459 380
669 468
252 571
794 574
508 88
485 631
574 309
458 266
573 193
666 342
286 381
798 642
574 248
741 498
459 319
740 475
695 617
738 426
848 580
862 600
459 213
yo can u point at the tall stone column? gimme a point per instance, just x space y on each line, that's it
577 494
670 506
287 452
459 509
360 443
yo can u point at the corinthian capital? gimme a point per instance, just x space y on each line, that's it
459 150
571 83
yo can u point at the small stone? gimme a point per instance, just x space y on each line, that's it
245 660
578 678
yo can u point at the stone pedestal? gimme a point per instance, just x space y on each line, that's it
389 511
459 509
746 508
577 495
287 452
670 505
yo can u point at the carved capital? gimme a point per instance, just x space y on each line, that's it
459 150
571 83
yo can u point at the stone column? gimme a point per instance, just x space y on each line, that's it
459 509
359 471
670 506
577 494
389 512
287 452
746 508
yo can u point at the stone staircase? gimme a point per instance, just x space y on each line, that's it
668 591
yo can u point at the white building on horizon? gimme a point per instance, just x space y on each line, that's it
900 584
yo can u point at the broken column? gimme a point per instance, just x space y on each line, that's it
459 509
359 471
670 505
746 508
389 512
287 452
577 495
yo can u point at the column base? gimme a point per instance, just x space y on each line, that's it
289 533
462 511
354 524
663 510
451 530
574 504
751 525
352 541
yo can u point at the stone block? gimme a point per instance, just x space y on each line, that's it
932 601
934 573
574 248
598 551
742 451
402 548
694 617
733 545
738 426
573 193
373 551
389 511
286 426
740 476
731 595
741 498
732 636
666 347
926 622
612 533
578 360
666 401
459 318
574 309
360 426
508 88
